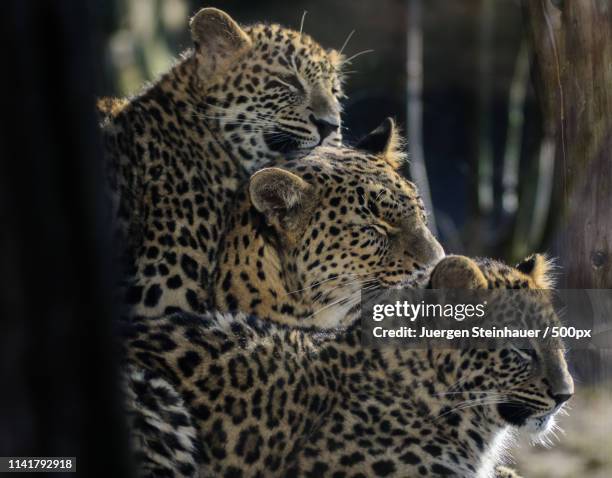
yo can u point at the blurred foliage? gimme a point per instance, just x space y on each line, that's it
147 36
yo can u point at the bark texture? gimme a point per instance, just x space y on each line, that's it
572 42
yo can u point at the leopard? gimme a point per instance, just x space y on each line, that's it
351 203
308 235
242 396
178 150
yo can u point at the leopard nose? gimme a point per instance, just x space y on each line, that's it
561 398
324 128
425 247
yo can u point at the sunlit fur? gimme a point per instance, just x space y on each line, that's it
504 389
178 150
268 103
349 221
258 398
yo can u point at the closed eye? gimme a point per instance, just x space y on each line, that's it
382 228
293 81
379 229
526 355
287 82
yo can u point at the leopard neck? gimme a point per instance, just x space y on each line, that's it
198 100
258 272
253 271
173 183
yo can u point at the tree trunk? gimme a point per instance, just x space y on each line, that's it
573 47
572 41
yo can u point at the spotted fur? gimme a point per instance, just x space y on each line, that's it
178 150
308 235
271 400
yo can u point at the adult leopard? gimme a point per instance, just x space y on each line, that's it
303 238
309 234
240 396
178 150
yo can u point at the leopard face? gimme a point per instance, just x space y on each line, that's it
312 232
525 387
274 91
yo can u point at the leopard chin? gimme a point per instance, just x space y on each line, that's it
523 417
539 427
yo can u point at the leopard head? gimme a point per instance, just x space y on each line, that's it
525 387
266 90
309 234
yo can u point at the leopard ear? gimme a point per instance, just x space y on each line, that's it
219 40
538 267
277 193
457 272
385 142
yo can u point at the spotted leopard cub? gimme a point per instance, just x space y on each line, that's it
178 150
248 397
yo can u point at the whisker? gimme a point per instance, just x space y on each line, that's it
468 391
347 284
462 407
348 38
210 105
316 284
459 382
340 286
302 22
349 59
479 402
339 301
256 119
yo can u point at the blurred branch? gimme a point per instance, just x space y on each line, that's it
145 46
485 146
514 135
414 71
542 203
537 181
573 48
535 201
476 235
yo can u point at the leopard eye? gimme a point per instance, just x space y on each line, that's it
378 229
293 81
526 355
